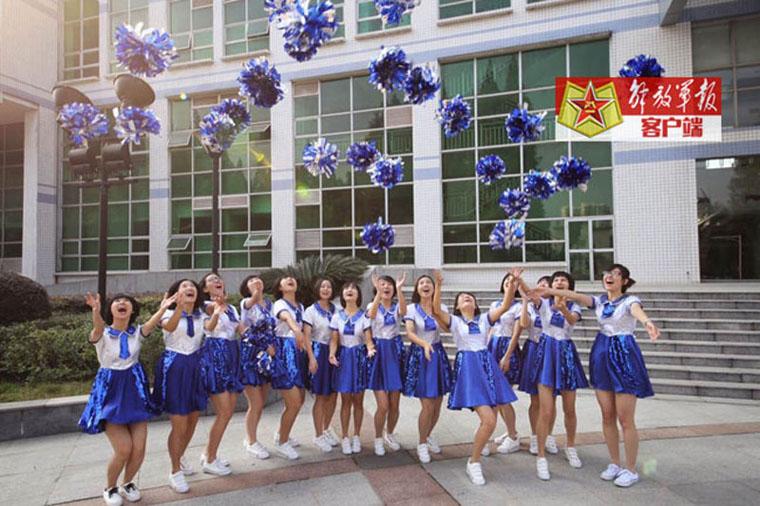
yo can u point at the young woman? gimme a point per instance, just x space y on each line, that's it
119 402
221 366
348 355
616 366
478 382
258 339
428 372
316 329
386 352
179 388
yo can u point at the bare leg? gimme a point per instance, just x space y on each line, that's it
394 400
175 442
329 410
256 399
224 405
571 420
381 398
425 421
139 432
121 442
625 405
318 414
533 409
358 404
545 415
293 401
436 414
346 401
606 402
192 420
510 419
487 416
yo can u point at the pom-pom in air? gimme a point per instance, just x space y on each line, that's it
387 172
83 122
260 82
507 234
522 126
421 85
642 65
515 203
393 10
320 157
539 185
571 173
490 168
389 70
455 115
143 52
308 28
378 237
361 155
132 123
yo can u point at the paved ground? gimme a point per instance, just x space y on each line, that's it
691 452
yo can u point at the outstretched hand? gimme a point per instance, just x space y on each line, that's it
168 301
93 301
652 330
400 282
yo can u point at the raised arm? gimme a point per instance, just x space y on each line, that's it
372 311
218 308
170 325
510 285
638 312
524 321
513 344
442 317
572 317
400 295
98 325
151 324
580 298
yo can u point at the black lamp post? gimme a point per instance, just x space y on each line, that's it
216 162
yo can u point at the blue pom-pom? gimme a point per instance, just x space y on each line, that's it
236 110
515 203
523 126
421 85
571 173
145 52
134 122
308 28
83 122
320 157
539 185
393 10
389 70
378 237
507 234
264 364
454 115
642 65
361 155
490 168
387 172
279 9
260 82
217 131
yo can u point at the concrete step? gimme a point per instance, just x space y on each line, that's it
687 346
693 359
688 294
718 314
687 323
750 337
707 388
696 373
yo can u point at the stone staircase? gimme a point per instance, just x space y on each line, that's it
709 347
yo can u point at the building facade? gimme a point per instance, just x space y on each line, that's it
674 213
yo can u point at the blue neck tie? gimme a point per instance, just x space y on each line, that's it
388 317
190 327
231 314
608 310
429 320
123 340
473 327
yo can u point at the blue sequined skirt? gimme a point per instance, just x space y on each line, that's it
385 372
179 387
616 365
220 366
293 364
558 366
478 382
527 381
320 383
350 377
498 346
427 379
249 372
117 396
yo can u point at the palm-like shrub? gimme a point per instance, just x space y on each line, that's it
21 299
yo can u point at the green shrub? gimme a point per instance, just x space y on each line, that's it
21 299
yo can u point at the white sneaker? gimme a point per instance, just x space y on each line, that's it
130 491
219 460
356 445
215 467
500 439
321 443
423 453
475 472
551 445
293 441
612 472
185 467
286 450
572 457
626 478
346 446
486 451
256 449
390 440
509 445
331 437
111 497
542 469
533 449
433 445
178 483
379 448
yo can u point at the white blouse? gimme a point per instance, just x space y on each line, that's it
179 340
350 329
504 325
226 324
256 312
282 329
381 325
319 321
554 323
536 325
108 348
471 336
615 316
425 325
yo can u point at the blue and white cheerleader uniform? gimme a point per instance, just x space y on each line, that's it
385 366
477 378
258 336
557 364
291 360
315 316
350 377
179 387
616 364
423 378
501 335
527 382
221 354
120 392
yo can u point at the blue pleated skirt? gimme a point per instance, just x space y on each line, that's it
249 371
320 383
385 368
117 396
179 387
478 382
527 381
220 366
292 365
616 365
498 346
427 379
558 366
350 377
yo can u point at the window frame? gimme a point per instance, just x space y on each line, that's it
191 34
81 67
248 38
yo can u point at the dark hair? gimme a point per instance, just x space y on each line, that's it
628 281
562 274
135 308
244 291
390 280
358 293
276 291
501 286
457 312
175 288
318 287
203 294
416 294
548 279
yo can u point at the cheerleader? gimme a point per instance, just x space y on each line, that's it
478 383
221 366
616 366
316 330
179 388
348 355
427 373
386 352
257 341
119 402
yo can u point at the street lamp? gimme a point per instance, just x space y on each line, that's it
216 162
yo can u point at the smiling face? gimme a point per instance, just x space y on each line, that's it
325 290
187 288
561 283
613 280
213 285
350 293
543 283
425 287
255 284
288 285
465 302
386 289
121 309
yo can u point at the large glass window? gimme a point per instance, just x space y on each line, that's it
245 203
80 39
369 19
191 23
330 212
454 8
729 49
341 31
11 189
494 85
129 12
246 27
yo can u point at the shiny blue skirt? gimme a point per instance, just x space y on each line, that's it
179 387
616 365
320 383
527 381
478 382
292 365
427 379
249 371
558 366
220 366
350 377
498 346
117 396
385 372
